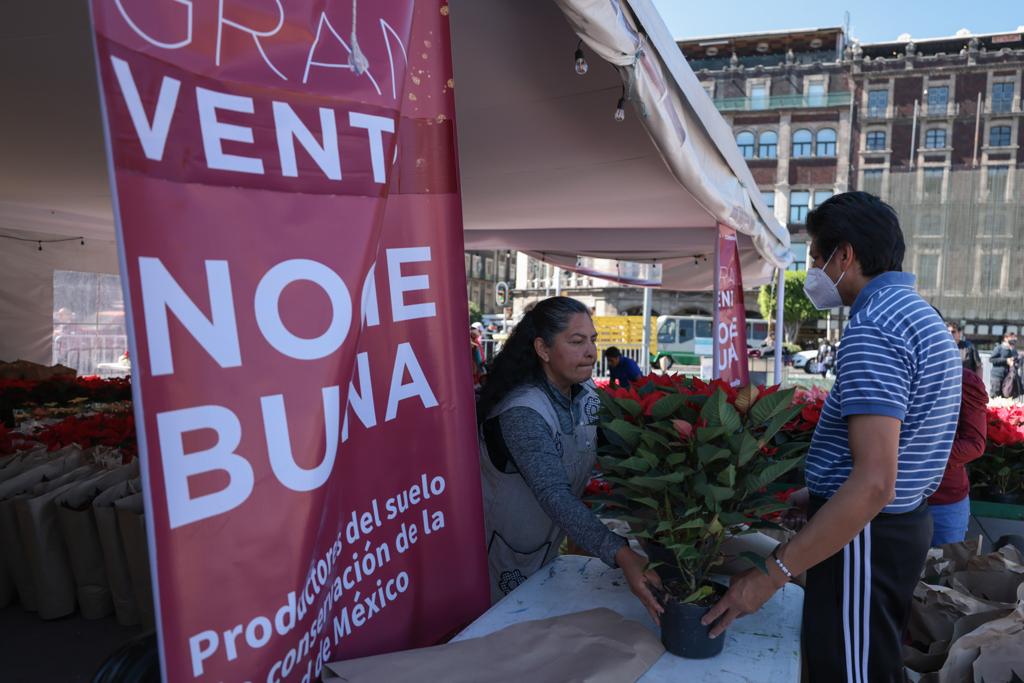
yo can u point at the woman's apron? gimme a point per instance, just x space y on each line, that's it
520 536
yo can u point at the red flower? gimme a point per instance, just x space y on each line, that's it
811 412
683 428
597 487
648 401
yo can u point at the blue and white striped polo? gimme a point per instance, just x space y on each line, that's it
896 359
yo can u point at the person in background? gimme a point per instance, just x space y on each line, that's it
825 357
877 454
969 355
476 354
623 370
479 339
537 419
950 505
1003 358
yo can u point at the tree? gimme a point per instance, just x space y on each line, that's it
475 316
797 307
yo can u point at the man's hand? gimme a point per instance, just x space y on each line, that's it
634 566
796 516
747 593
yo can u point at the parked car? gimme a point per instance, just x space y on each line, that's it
804 358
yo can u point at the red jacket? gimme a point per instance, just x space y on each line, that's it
968 444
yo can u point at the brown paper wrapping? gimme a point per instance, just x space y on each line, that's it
597 646
131 522
81 536
12 547
115 562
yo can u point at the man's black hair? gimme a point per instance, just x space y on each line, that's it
866 223
612 352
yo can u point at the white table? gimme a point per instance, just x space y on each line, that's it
760 647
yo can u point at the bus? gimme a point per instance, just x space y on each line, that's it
684 339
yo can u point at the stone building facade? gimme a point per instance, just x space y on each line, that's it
933 126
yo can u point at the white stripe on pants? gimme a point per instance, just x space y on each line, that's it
857 605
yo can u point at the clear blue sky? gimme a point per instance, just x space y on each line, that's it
870 20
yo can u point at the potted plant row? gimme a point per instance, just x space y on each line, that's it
689 466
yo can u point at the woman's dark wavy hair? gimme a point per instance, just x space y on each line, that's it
517 361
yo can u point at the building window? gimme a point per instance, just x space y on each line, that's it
873 181
816 94
468 261
997 177
990 271
768 145
933 182
802 143
478 266
999 136
826 140
821 196
876 140
745 141
929 222
758 97
878 102
798 200
489 268
768 197
928 271
938 99
1002 97
993 221
935 138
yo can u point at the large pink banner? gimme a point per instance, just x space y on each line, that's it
730 313
291 247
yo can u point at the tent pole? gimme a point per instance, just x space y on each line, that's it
716 367
645 351
558 281
780 330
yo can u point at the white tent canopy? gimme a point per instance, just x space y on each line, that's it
545 168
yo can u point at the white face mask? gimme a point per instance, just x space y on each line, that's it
819 288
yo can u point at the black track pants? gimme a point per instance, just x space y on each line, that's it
857 602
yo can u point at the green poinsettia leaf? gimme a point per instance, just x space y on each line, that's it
770 473
610 405
727 477
630 406
768 406
667 406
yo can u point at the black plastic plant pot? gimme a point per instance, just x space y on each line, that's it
667 569
683 635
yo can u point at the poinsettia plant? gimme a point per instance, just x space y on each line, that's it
1000 471
688 464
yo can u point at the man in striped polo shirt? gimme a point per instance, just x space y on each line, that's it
878 452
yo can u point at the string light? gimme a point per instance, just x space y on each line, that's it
39 242
581 62
620 109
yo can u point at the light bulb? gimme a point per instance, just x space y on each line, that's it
620 111
581 63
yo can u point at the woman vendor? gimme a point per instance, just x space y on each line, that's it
538 443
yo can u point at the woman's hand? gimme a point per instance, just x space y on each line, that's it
634 566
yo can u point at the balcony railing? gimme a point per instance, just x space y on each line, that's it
832 99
